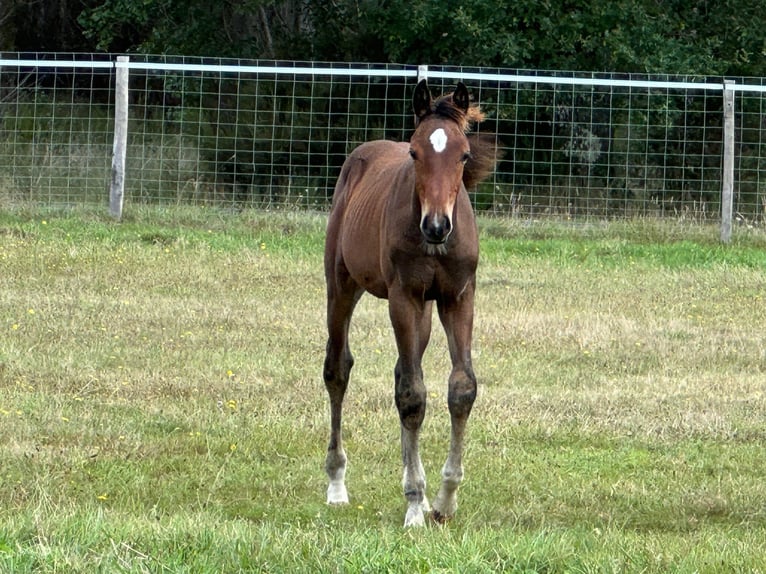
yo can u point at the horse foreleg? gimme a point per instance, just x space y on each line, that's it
412 329
411 402
462 390
458 324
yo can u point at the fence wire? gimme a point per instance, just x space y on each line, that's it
55 131
274 134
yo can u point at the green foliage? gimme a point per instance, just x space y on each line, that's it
274 141
620 36
49 143
250 29
587 162
638 36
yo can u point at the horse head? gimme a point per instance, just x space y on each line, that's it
440 149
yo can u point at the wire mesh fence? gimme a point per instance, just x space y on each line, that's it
55 130
259 136
274 134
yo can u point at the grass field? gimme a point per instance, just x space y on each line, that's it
162 407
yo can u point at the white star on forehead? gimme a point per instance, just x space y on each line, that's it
438 139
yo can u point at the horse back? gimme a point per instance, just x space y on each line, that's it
361 172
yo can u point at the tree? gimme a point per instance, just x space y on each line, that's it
242 29
643 36
639 36
42 25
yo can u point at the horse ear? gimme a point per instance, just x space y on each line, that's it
421 101
460 97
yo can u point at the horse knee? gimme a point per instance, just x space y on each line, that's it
462 393
337 368
411 402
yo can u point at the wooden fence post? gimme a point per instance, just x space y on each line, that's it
117 187
727 180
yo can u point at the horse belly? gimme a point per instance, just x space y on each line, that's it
363 265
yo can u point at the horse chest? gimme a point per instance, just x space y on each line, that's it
425 277
419 278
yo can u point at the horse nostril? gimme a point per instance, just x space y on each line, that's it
436 229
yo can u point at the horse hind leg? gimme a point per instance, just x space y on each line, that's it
336 375
337 369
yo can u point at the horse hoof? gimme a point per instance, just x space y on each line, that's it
337 494
439 518
415 516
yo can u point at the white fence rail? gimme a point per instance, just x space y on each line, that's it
274 134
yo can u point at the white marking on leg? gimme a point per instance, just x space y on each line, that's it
336 472
414 481
336 492
438 139
415 515
445 502
446 499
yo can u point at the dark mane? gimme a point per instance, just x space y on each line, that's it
484 156
444 107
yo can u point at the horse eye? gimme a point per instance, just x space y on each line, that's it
413 155
466 157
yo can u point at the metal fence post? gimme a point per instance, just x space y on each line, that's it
727 185
422 72
117 187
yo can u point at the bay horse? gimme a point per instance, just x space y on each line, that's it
402 228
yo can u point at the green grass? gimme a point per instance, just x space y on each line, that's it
162 409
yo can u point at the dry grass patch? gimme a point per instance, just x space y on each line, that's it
161 403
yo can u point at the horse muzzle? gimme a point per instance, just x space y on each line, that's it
435 229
